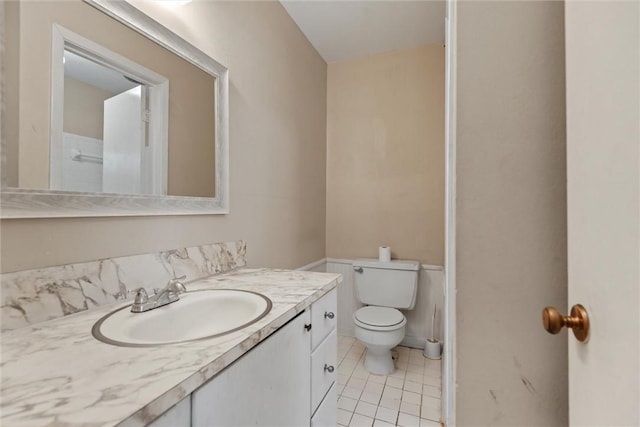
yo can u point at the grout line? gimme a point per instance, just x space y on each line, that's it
403 356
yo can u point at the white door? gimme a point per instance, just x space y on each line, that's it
603 139
123 143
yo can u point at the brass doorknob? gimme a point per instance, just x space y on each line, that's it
553 321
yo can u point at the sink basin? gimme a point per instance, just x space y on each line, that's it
197 315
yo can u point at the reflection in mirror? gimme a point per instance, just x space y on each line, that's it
108 142
98 106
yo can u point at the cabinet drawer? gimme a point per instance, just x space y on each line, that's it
326 414
324 317
324 368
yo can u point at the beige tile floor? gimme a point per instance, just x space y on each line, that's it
408 397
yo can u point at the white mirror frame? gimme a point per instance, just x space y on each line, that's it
23 203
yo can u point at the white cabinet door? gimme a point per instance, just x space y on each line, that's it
268 386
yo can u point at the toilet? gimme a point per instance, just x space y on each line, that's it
384 287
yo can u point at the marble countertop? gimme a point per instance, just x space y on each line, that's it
57 373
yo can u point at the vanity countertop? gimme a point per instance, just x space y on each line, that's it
57 373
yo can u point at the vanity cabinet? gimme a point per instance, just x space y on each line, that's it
289 379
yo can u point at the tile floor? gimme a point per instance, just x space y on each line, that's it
408 397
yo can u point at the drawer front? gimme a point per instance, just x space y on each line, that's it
324 368
327 413
324 317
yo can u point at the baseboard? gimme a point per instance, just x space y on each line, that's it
408 341
312 265
339 261
346 332
413 342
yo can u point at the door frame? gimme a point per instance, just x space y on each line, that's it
449 352
63 38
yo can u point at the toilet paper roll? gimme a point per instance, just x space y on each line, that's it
384 254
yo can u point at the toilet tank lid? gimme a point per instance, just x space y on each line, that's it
395 264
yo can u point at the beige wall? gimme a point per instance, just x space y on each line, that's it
385 155
277 153
83 108
511 213
10 93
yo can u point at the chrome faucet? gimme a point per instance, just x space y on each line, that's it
170 293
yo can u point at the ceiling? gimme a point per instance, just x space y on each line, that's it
94 74
341 30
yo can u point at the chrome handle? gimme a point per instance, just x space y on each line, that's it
141 295
328 368
358 269
175 286
176 279
329 315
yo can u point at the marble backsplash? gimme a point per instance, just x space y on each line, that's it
32 296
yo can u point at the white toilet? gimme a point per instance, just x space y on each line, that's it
384 287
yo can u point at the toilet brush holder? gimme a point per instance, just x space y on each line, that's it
432 349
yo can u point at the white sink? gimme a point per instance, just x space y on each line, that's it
197 315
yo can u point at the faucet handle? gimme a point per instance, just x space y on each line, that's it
141 295
176 286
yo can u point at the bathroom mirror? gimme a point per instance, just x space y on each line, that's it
107 112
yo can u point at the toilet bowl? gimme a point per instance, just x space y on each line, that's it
384 286
379 329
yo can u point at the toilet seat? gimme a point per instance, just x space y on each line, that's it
376 318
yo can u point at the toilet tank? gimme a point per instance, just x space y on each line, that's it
386 284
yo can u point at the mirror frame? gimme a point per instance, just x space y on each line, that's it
27 203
